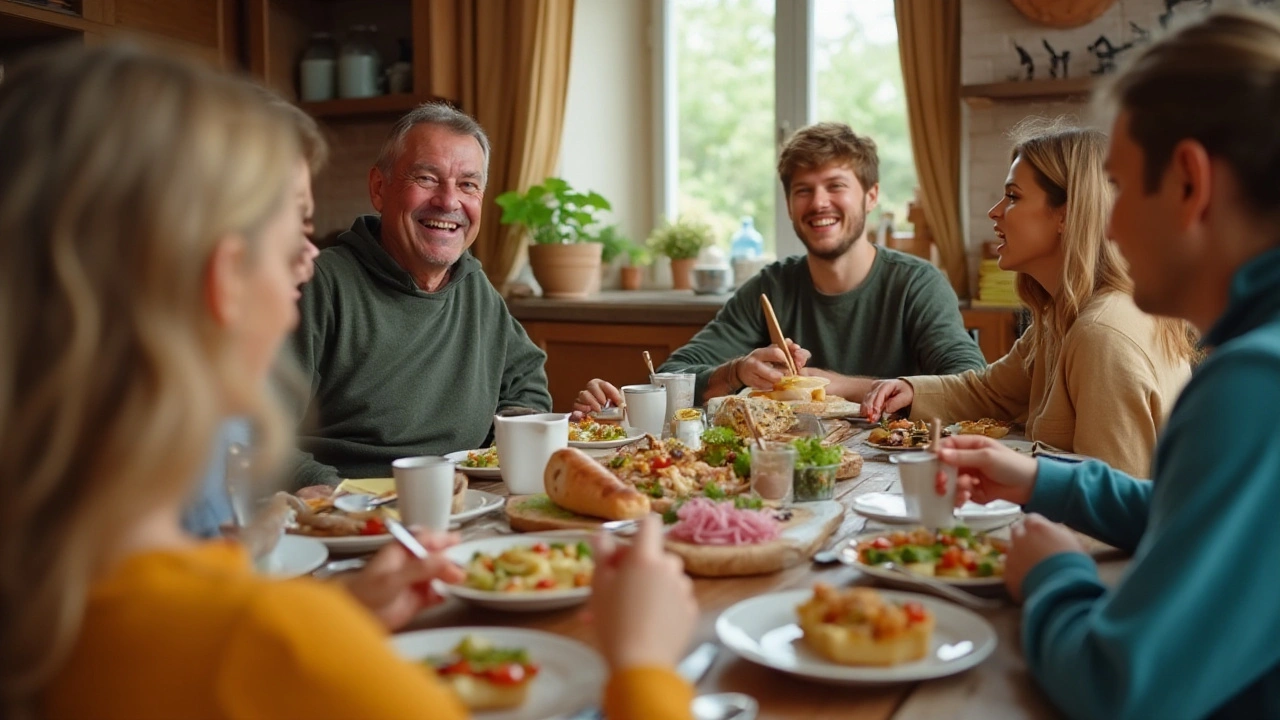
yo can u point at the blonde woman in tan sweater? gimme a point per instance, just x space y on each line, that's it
1094 374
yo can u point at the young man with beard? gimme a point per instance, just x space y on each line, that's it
1192 628
853 311
409 349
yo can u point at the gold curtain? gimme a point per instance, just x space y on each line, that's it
506 63
929 46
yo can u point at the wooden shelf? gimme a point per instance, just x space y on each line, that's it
43 17
1026 90
372 106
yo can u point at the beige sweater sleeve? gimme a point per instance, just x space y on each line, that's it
1001 391
1116 392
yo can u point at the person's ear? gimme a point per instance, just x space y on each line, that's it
872 199
377 183
1190 171
224 284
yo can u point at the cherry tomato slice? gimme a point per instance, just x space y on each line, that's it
882 543
915 612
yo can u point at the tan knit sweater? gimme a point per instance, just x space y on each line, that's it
1107 397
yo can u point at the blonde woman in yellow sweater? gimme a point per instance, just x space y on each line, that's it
1094 374
149 223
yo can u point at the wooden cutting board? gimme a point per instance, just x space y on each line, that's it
810 526
536 513
801 537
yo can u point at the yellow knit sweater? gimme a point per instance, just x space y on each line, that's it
1107 395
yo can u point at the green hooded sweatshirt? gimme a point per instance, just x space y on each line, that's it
397 372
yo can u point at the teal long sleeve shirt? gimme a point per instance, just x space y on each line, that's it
1193 628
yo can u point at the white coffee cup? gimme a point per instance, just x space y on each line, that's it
525 444
646 407
918 471
424 491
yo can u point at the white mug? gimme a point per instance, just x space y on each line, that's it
525 444
424 491
646 407
918 471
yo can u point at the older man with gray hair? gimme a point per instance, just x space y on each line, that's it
408 347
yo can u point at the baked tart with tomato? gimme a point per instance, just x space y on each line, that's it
486 677
858 626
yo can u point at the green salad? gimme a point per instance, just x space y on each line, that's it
722 446
816 468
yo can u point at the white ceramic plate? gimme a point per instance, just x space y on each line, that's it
530 601
475 504
633 434
353 544
849 556
890 508
294 555
763 630
570 676
488 473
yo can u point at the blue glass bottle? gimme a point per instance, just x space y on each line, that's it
747 243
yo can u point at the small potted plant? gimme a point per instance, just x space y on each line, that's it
633 271
565 250
681 241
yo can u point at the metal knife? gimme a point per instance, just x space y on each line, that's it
692 668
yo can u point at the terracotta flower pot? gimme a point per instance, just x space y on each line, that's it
682 273
631 277
566 271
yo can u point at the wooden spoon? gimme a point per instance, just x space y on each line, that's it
775 332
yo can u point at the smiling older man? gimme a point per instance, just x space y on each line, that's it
409 349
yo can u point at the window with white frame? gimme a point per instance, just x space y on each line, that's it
736 77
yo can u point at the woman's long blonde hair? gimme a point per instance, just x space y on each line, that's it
1069 165
120 171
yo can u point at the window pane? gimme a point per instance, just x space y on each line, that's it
725 104
859 82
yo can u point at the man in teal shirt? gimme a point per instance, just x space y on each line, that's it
852 311
1193 628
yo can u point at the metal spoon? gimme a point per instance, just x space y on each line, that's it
620 527
359 502
335 567
725 706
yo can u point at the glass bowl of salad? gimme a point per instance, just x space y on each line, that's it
816 467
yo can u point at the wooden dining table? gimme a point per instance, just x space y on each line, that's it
999 687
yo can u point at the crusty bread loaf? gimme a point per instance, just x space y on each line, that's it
850 465
770 416
576 482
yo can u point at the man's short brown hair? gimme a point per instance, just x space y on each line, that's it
1216 82
827 142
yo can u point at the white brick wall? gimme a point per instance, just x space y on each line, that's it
989 29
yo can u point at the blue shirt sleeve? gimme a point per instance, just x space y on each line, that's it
210 509
1191 628
1094 499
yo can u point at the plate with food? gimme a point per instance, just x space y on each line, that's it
528 573
480 464
474 504
986 426
856 636
339 531
293 555
589 435
509 673
957 556
891 508
901 435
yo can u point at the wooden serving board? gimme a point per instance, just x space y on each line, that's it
536 513
802 535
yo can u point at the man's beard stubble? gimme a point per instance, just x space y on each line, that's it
858 227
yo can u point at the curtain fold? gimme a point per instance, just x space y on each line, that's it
506 63
929 47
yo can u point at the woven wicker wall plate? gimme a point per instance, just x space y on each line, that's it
1062 13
